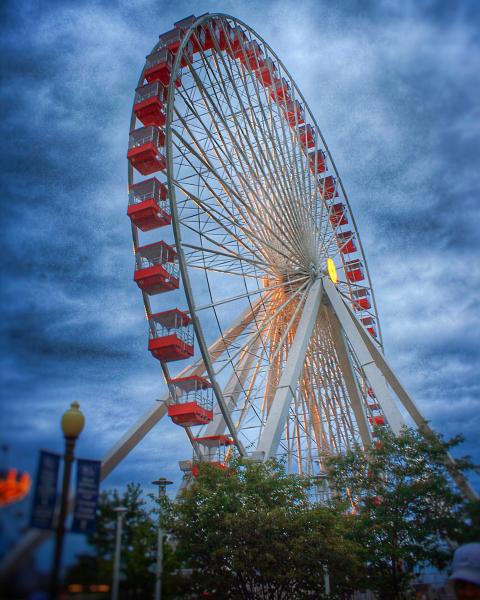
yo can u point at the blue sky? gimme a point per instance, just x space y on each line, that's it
394 87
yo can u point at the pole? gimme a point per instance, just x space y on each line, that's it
326 581
162 484
60 529
120 510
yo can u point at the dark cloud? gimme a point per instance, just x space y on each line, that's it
394 87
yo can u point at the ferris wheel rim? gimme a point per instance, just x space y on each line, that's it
172 192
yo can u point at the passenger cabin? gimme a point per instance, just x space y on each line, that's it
266 72
198 37
369 323
361 299
172 39
328 187
280 90
144 150
149 107
159 66
354 270
171 335
317 161
338 214
192 401
346 242
213 450
148 207
222 31
374 407
156 268
252 55
294 112
237 38
306 135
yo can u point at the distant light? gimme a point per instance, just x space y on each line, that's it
75 587
332 270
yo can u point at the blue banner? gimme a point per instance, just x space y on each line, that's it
86 496
45 492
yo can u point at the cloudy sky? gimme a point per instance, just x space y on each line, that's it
394 87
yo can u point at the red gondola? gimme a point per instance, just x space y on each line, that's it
214 451
148 207
144 150
361 299
237 39
171 335
149 105
266 72
328 187
280 90
317 161
199 35
306 134
354 270
193 401
156 268
346 242
338 214
294 112
159 66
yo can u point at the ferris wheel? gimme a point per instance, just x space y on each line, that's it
247 251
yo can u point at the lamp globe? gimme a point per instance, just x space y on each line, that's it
73 421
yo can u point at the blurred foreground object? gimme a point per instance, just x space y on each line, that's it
14 486
466 571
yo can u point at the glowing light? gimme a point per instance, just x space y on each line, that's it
332 270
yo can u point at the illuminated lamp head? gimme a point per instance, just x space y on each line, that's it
332 270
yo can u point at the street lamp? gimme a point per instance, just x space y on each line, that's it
72 423
120 510
162 483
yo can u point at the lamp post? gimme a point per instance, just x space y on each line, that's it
72 423
120 510
162 483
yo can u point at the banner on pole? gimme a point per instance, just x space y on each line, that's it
86 496
45 491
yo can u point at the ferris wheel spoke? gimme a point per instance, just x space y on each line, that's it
264 148
260 244
246 295
232 193
261 326
253 126
229 255
222 221
245 177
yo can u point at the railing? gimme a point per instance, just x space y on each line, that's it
183 333
171 267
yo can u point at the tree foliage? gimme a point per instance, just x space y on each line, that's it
252 532
408 511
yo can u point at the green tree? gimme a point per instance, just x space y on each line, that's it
253 532
407 508
139 539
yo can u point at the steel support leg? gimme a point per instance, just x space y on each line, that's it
349 378
365 358
286 389
410 406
